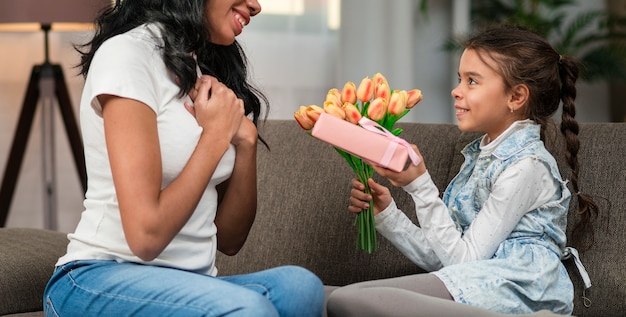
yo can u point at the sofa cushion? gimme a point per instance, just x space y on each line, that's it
28 257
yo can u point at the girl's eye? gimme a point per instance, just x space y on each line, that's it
470 81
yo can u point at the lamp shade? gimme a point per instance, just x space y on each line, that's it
50 11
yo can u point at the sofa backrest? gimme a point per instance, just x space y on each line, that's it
303 195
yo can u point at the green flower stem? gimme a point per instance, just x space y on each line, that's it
364 221
366 226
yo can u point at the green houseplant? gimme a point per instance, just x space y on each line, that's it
596 38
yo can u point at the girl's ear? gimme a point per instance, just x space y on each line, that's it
519 97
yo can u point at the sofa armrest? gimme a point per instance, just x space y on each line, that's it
27 258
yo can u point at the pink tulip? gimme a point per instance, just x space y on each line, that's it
334 110
353 115
397 103
366 90
303 120
348 93
377 109
414 97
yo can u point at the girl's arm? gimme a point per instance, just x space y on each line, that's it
522 187
394 225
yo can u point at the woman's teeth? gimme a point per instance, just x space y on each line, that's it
241 20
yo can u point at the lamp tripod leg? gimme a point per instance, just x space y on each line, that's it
48 155
22 133
18 147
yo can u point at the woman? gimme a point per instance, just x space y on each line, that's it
169 127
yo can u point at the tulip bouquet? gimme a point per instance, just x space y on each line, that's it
373 100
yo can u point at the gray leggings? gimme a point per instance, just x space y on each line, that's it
413 295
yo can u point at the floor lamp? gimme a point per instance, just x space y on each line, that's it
46 85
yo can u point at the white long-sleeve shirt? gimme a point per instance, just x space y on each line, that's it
438 242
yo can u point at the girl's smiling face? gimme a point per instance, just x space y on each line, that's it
481 99
227 18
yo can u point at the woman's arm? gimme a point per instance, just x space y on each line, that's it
238 195
151 217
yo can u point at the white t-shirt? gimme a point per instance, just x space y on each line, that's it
131 66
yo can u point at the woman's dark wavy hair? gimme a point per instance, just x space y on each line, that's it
524 57
184 32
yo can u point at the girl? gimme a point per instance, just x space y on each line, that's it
494 242
171 162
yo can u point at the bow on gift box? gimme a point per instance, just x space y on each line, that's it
396 141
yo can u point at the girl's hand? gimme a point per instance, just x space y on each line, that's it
359 200
405 177
216 107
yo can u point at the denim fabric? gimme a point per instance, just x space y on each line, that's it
109 288
525 274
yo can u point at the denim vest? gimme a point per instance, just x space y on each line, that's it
469 190
525 274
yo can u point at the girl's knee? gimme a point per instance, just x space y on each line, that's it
340 300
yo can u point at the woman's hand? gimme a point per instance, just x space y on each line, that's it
359 200
405 177
237 196
216 108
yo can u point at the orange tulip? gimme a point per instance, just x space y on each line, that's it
353 115
382 91
379 79
397 103
332 98
377 109
303 120
366 90
334 110
333 92
314 112
348 93
414 97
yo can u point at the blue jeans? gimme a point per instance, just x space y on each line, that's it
108 288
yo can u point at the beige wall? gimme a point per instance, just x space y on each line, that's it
291 66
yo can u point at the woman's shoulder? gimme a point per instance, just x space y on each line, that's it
143 37
135 47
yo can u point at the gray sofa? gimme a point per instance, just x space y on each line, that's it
302 217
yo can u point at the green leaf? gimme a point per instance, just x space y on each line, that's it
397 131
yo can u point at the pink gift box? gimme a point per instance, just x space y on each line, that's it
372 147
